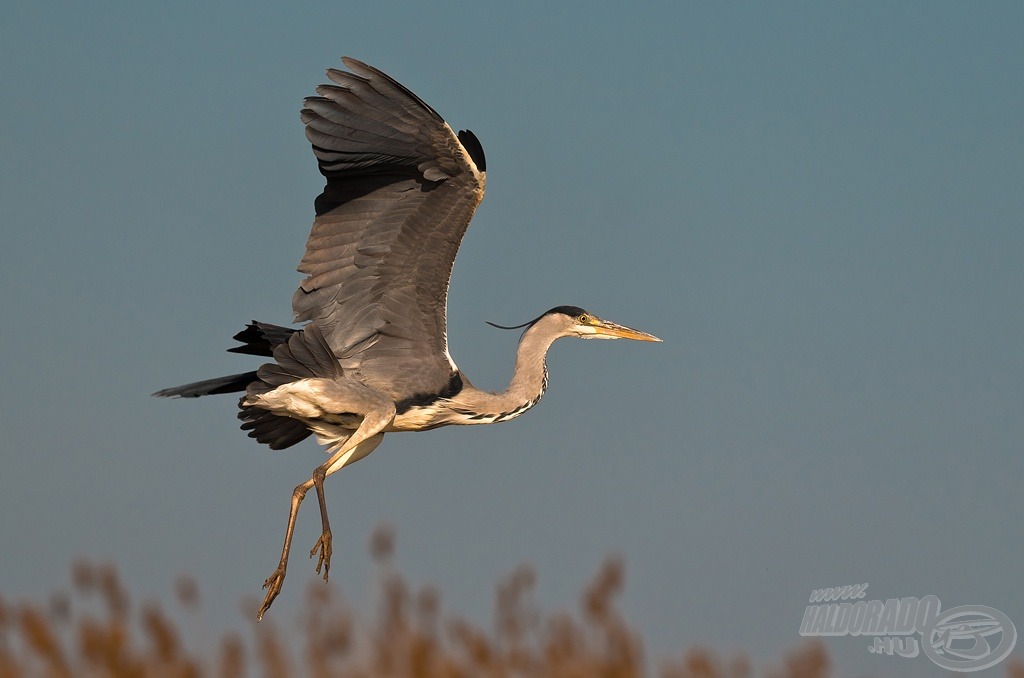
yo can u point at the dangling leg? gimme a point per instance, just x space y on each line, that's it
323 544
378 415
274 582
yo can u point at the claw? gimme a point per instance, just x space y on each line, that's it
273 585
323 545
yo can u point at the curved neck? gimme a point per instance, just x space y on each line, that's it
529 381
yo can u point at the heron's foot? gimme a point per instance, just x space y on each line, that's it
323 545
273 585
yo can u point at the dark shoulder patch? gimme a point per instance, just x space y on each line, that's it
474 148
450 390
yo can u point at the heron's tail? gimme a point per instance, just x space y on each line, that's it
281 343
257 339
229 384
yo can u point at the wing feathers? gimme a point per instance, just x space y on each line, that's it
305 355
401 190
389 87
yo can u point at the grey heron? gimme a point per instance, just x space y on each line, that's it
372 356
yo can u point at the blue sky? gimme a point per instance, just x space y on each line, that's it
817 206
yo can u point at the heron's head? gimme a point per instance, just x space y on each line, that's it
573 321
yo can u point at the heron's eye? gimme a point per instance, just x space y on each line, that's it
583 319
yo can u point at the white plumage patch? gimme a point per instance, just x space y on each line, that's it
330 436
299 399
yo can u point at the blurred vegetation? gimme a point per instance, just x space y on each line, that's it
97 632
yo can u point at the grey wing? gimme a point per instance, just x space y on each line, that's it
401 190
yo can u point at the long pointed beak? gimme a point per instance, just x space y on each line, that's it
609 329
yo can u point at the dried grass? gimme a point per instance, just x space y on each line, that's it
409 637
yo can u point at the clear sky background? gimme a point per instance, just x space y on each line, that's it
817 207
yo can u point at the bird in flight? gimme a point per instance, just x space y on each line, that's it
372 355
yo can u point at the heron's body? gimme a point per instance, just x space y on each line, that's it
372 357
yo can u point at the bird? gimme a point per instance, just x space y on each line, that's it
371 356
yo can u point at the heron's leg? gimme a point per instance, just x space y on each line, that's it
379 412
323 544
275 581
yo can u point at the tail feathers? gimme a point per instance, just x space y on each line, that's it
270 429
300 355
229 384
305 355
261 338
297 354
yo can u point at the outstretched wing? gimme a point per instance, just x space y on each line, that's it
401 190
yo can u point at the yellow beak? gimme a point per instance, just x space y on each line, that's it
607 328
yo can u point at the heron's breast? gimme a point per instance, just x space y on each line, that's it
421 418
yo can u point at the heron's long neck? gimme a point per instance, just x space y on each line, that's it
530 379
529 382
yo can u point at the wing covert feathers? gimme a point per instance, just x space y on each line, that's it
401 190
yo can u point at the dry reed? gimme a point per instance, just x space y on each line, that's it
408 638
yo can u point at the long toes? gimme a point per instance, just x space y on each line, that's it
273 585
323 546
326 560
